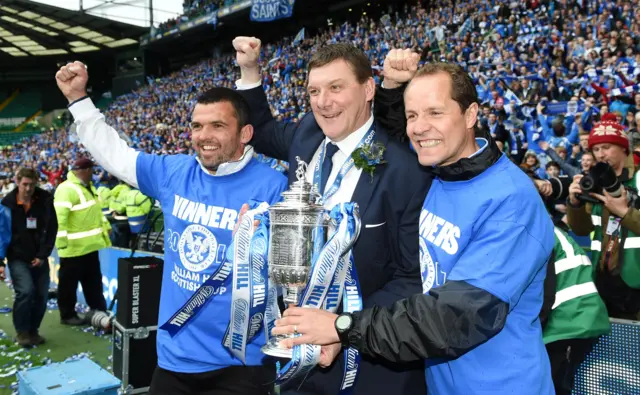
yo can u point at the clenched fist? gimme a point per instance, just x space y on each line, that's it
72 80
247 51
400 66
247 56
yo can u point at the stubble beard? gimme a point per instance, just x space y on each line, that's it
214 163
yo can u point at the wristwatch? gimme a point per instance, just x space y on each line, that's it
344 324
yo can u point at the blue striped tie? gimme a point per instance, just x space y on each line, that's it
327 165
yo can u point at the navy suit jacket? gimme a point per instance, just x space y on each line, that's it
386 252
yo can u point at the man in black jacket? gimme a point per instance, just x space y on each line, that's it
341 90
33 232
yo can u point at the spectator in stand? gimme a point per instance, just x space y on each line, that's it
55 175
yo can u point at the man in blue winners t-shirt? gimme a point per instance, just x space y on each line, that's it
200 197
485 239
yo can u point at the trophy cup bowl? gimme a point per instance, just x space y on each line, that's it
294 226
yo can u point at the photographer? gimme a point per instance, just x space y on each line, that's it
609 209
571 321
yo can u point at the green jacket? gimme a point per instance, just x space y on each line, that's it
629 242
82 228
578 312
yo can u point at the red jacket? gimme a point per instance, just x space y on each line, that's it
54 177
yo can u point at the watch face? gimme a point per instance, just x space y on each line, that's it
343 322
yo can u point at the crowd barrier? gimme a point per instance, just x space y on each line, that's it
613 366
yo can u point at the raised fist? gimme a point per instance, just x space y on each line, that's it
400 66
72 80
247 51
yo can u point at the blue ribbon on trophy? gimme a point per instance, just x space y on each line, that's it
333 268
351 301
250 281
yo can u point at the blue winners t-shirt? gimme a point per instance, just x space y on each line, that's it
200 211
494 233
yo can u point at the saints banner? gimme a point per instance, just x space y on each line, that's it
271 10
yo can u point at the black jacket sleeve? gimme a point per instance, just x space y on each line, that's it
270 137
549 297
388 109
48 236
405 278
446 323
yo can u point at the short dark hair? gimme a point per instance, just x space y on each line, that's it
355 58
552 164
463 90
26 172
239 104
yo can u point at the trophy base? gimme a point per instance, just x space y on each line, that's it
274 349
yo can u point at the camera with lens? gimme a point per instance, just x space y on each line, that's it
601 178
559 187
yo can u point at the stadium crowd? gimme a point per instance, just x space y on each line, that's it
191 10
545 73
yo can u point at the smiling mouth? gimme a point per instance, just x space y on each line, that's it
429 143
209 148
331 116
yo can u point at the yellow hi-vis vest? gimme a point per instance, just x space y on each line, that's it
117 205
82 228
138 206
104 193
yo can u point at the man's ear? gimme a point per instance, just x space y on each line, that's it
246 134
471 115
370 89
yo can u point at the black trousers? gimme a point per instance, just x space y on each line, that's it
86 270
233 380
565 357
121 234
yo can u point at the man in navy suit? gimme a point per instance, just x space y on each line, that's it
341 91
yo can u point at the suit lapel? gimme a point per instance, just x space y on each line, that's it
366 184
309 143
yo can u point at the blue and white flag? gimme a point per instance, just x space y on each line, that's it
564 107
299 37
276 56
386 20
623 91
466 27
271 10
511 97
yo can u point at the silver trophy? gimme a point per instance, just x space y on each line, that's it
294 225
